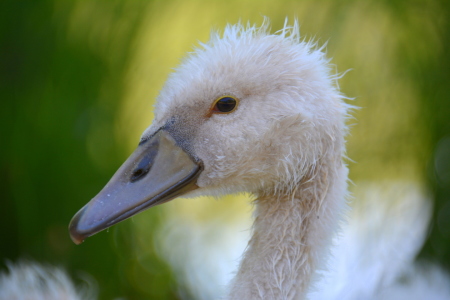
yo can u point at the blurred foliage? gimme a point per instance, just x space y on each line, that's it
77 84
62 68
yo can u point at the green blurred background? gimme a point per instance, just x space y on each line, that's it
79 78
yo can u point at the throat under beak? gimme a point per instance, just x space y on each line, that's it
158 171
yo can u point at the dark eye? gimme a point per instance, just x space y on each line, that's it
224 105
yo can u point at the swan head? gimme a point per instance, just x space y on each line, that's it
248 112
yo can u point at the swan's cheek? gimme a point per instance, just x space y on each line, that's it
229 154
217 171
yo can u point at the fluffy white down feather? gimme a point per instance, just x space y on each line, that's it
373 257
32 281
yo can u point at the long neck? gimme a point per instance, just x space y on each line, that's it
291 236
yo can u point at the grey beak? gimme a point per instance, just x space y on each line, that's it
157 171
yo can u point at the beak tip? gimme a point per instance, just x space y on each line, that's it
75 233
76 239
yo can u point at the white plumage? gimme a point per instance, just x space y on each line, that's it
31 281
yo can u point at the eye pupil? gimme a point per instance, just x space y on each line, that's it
225 104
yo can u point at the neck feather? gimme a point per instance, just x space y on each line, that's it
291 237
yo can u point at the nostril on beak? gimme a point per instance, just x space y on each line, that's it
146 162
138 174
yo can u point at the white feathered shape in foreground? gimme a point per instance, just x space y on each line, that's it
31 281
250 112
